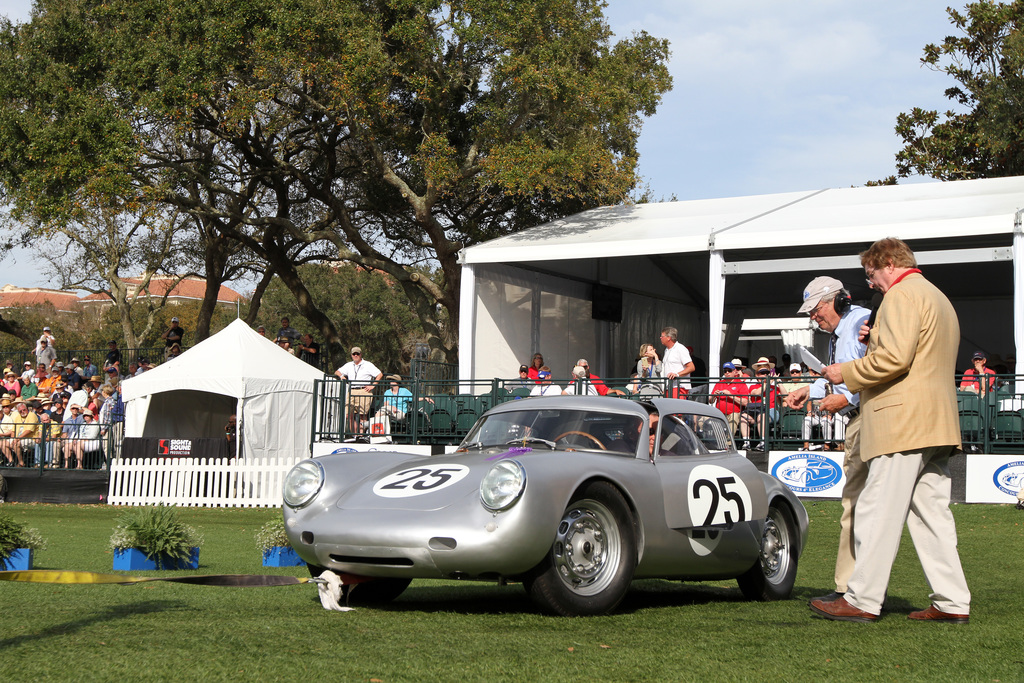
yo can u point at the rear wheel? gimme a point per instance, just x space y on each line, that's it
773 575
591 562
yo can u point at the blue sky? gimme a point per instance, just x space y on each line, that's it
767 97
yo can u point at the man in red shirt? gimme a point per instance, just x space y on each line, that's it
972 380
731 395
601 387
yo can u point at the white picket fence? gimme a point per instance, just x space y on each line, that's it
190 483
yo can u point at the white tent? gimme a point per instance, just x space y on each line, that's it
236 371
704 266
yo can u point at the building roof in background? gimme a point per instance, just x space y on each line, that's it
30 297
191 288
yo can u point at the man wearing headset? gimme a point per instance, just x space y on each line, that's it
829 306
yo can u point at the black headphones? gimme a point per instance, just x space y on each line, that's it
842 302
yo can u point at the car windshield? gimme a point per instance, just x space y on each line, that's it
560 429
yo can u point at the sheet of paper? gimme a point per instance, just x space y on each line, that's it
810 360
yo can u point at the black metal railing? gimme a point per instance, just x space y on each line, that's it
442 411
57 445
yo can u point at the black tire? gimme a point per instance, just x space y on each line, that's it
591 562
375 592
773 575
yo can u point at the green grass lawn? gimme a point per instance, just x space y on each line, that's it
440 630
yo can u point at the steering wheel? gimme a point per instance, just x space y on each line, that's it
584 434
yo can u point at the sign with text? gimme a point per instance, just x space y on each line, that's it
809 474
994 478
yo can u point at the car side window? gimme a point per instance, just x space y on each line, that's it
677 438
712 432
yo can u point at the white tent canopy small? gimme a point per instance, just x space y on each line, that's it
236 371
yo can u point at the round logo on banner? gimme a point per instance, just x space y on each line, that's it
416 481
1010 477
807 472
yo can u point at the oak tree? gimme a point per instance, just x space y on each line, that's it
390 133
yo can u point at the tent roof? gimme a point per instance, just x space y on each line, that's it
850 215
234 362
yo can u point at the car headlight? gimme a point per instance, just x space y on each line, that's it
503 484
303 483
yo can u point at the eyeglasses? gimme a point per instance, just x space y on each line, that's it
357 354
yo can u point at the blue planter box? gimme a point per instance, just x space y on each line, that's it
19 560
281 556
133 559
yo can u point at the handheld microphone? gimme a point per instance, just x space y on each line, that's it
876 301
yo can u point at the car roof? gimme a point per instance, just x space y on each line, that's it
600 403
608 404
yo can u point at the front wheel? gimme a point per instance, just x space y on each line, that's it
591 562
773 575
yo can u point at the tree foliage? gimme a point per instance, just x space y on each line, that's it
984 136
391 133
366 306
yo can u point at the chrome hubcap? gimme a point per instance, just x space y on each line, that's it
774 548
587 547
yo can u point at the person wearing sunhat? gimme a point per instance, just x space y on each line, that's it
49 436
396 399
6 426
761 414
25 424
11 384
89 443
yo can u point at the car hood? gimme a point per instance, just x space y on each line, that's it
424 484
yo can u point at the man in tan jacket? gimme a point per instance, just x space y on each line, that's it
910 427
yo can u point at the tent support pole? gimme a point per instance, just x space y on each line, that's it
1018 290
716 310
467 317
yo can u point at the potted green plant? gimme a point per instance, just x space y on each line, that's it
273 542
154 538
17 544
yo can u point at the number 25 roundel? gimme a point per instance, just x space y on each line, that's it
416 481
717 496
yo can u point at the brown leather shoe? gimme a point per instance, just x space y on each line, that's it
829 597
841 610
933 614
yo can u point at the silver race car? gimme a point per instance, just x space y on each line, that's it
573 496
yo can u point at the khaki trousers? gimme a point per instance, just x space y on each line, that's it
856 471
912 488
